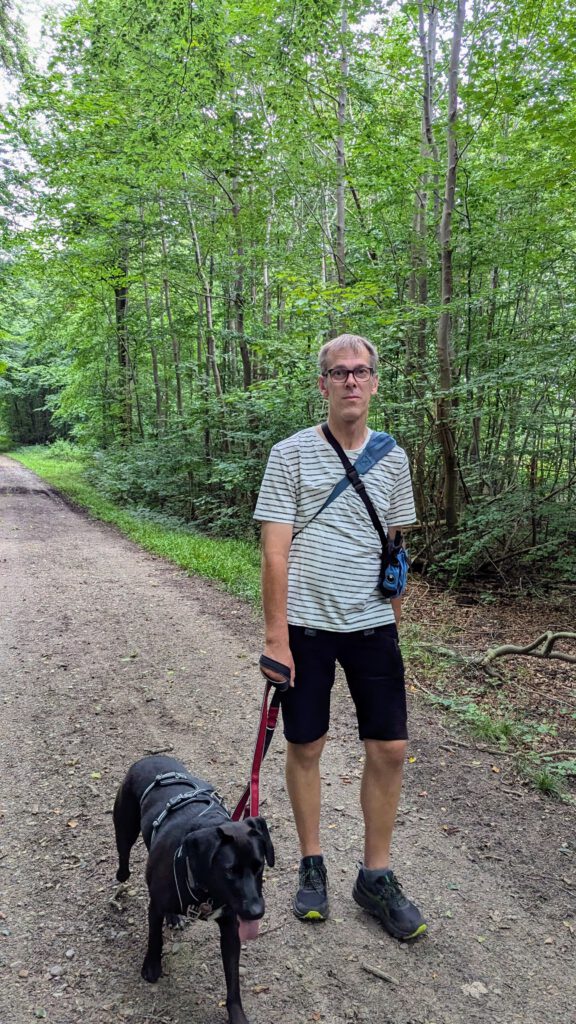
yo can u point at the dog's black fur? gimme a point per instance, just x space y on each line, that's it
226 861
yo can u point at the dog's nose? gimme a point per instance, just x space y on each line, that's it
253 910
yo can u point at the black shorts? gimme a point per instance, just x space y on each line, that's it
374 671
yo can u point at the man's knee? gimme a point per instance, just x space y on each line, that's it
305 755
385 755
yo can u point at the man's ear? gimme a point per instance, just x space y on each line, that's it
259 827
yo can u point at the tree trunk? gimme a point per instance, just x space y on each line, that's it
122 342
266 292
210 339
445 408
171 325
150 334
238 298
417 339
340 252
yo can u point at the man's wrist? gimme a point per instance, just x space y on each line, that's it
276 639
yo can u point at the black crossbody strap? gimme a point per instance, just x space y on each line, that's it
356 481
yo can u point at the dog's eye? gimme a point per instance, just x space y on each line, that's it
234 871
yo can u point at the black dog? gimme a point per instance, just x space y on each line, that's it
199 861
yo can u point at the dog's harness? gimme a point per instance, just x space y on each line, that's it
168 779
194 901
199 794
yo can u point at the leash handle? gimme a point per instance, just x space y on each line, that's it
275 666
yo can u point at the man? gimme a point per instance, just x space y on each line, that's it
322 605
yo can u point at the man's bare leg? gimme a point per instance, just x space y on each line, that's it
377 889
303 781
303 784
380 796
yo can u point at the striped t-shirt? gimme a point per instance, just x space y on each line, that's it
334 562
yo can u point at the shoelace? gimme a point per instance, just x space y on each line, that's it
391 889
313 877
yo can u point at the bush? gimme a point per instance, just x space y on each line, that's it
208 470
495 542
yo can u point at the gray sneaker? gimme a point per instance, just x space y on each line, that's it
384 898
311 901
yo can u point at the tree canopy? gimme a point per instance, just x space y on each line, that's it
196 195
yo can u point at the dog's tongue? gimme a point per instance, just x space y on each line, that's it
248 930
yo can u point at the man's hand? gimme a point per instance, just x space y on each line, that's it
279 652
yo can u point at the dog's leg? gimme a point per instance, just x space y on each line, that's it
152 966
230 948
127 828
175 921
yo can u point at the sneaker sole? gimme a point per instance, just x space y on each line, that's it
311 915
384 921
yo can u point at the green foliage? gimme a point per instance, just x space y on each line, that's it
550 777
208 475
494 531
168 257
65 451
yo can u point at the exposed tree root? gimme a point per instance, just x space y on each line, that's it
545 642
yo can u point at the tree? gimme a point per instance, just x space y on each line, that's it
212 190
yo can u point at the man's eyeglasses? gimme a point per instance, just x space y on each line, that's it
339 374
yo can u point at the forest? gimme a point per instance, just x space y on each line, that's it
194 196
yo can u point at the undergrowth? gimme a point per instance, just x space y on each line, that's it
496 722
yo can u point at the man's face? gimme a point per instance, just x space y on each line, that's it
348 399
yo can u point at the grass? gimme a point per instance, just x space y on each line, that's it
234 564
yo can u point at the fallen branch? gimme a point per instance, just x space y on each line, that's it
545 641
430 693
446 652
274 928
556 753
379 973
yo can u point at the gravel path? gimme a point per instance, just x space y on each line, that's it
107 653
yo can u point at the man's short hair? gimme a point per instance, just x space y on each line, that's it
351 342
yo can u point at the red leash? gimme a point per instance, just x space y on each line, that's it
247 806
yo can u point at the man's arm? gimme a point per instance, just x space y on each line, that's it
276 541
396 602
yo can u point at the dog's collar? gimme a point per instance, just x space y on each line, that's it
194 901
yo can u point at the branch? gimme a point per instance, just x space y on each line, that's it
563 751
546 641
378 973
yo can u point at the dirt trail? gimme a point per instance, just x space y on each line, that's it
107 653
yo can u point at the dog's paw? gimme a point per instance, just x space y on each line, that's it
151 970
122 875
175 921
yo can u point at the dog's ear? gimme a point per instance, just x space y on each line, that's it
227 833
259 827
201 847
